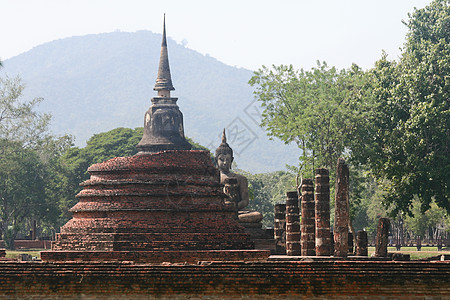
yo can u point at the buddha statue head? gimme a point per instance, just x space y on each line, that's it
224 155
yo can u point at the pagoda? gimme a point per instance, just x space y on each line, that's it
163 122
164 204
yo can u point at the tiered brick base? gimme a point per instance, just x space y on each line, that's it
156 256
166 206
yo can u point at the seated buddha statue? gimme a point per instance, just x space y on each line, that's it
235 185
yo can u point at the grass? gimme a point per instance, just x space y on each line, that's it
425 252
33 252
412 251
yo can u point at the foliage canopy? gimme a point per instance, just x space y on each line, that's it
392 120
27 156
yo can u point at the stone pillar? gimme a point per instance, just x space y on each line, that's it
350 243
322 205
382 237
341 211
361 243
292 225
279 231
308 227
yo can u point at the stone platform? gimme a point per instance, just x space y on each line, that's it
149 207
157 257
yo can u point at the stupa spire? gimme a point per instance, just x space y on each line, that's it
163 121
164 80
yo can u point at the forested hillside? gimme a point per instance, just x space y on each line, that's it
94 83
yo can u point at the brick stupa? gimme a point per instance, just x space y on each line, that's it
165 204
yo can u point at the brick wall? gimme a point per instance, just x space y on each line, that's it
29 244
264 280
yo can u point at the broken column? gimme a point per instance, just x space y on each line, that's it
322 205
280 228
292 225
382 237
308 228
341 212
361 243
350 243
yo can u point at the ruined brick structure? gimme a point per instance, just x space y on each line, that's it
164 204
381 243
280 228
308 227
322 217
221 280
163 121
156 225
341 211
361 243
293 247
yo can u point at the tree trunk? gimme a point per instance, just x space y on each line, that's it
9 238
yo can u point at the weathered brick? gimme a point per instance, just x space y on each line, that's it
166 201
341 279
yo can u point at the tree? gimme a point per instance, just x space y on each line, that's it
323 111
318 110
268 189
24 141
392 120
21 189
432 224
410 135
19 121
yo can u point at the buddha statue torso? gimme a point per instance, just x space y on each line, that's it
235 185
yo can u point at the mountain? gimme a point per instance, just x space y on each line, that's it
98 82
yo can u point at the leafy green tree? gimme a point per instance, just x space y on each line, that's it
24 161
19 121
432 223
56 180
196 146
392 120
318 110
21 189
323 111
411 129
268 189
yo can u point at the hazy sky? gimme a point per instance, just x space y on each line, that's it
245 33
